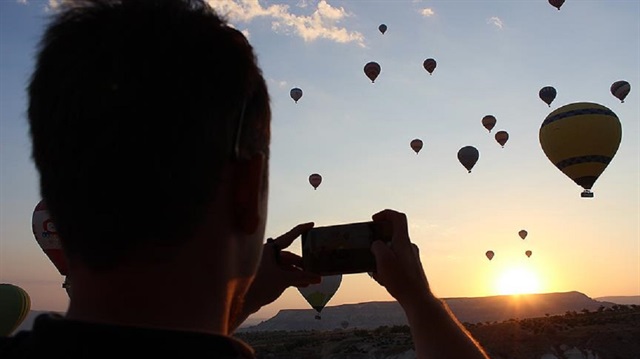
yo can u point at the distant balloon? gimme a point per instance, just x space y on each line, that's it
528 253
416 145
372 70
620 89
523 234
429 65
344 324
47 237
502 137
468 156
547 94
315 180
14 307
382 28
581 139
318 295
489 122
489 255
556 3
295 94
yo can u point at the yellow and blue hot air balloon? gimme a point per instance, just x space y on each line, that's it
581 139
318 295
14 307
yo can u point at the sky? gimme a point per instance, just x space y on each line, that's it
492 58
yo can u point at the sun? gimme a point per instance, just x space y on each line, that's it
518 280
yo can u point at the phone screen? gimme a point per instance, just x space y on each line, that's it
344 248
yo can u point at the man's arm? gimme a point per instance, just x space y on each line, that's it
435 330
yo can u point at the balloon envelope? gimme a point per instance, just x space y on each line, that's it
502 137
47 237
523 234
620 89
528 253
556 3
547 94
295 94
429 65
14 307
489 122
489 255
382 28
416 145
315 180
318 295
581 139
372 70
468 156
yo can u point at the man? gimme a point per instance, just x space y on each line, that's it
150 126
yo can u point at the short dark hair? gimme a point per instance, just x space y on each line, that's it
134 106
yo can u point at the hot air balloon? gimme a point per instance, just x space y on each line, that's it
47 237
315 180
581 139
502 137
14 307
489 121
620 89
429 65
556 3
295 94
382 28
523 234
372 70
489 255
318 295
468 156
416 145
528 253
547 94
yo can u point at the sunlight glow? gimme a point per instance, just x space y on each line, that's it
518 280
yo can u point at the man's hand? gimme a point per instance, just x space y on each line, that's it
278 271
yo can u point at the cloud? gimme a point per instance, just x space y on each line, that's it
426 12
279 83
23 2
322 23
496 22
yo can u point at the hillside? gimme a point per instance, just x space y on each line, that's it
470 310
609 333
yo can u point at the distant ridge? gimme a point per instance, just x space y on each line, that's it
621 299
472 310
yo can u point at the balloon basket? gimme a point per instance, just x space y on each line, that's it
586 194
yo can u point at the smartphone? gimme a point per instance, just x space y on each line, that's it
343 248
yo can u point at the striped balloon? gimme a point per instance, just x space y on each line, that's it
15 304
581 139
620 89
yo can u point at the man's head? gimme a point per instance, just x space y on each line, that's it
135 108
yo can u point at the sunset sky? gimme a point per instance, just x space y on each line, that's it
492 58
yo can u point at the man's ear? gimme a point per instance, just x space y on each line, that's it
248 188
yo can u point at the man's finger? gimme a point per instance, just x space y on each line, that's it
286 239
398 222
290 259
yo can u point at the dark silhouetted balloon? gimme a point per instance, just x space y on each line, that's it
296 94
315 180
523 234
489 255
581 139
489 122
468 156
382 28
528 253
556 3
416 145
620 89
372 70
429 65
547 94
502 137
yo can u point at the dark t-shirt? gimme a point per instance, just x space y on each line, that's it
55 337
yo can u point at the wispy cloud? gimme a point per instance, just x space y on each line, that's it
426 12
496 22
23 2
322 23
279 83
